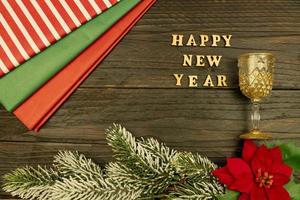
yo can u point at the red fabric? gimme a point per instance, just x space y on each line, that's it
261 174
36 110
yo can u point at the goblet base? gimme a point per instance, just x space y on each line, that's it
257 135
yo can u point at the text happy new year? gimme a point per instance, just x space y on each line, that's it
200 61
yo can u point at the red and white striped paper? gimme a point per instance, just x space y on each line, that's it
29 26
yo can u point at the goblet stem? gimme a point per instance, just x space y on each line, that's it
255 116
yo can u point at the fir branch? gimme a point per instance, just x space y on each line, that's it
193 164
124 175
144 169
126 149
150 186
72 163
197 191
81 189
197 181
143 163
31 183
86 181
162 154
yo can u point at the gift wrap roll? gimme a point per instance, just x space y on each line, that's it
36 110
21 83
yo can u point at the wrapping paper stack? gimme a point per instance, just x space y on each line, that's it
48 48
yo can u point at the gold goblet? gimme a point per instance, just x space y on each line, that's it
256 81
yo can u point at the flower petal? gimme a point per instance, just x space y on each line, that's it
258 193
242 174
262 160
244 196
280 179
223 175
243 184
278 193
249 150
282 174
238 167
276 155
283 169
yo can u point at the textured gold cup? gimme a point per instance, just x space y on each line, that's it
256 82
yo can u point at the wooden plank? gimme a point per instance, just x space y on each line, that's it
146 59
187 118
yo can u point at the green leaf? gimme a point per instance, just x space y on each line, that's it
291 155
230 195
294 190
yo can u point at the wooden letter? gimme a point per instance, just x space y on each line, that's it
227 40
178 78
200 61
215 40
214 60
204 39
177 40
187 60
191 41
222 81
192 81
208 82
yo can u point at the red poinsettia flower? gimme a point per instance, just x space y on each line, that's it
259 175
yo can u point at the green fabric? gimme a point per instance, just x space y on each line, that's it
21 83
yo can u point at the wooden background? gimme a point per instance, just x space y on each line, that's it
135 87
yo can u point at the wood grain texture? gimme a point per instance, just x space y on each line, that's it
172 114
146 58
134 86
